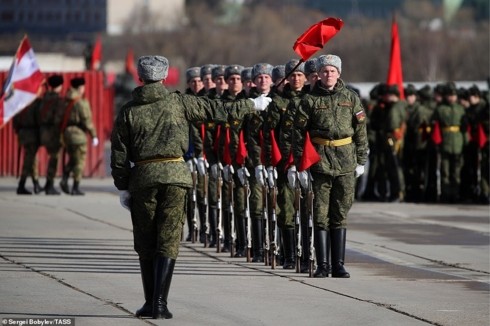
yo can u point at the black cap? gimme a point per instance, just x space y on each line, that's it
450 89
410 90
77 82
474 90
55 81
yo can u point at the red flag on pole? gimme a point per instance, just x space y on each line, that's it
290 161
226 150
276 155
242 152
395 74
96 55
130 67
22 84
436 134
310 156
315 37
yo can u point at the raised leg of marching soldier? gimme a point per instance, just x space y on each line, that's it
76 162
330 213
53 153
450 177
256 213
29 168
285 221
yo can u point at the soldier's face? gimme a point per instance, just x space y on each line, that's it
234 84
297 80
195 84
313 77
220 83
208 82
263 83
411 99
329 76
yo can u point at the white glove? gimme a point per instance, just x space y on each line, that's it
359 171
190 165
259 175
261 102
271 176
95 141
214 171
242 174
303 179
202 165
292 177
228 173
124 199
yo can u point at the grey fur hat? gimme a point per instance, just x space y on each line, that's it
262 69
152 68
217 71
247 74
278 73
292 63
206 70
330 60
233 70
311 66
192 72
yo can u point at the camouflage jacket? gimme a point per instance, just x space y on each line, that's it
77 119
418 127
26 124
155 126
50 115
332 115
451 118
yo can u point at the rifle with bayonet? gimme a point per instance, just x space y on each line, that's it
246 190
309 200
274 227
206 208
297 225
219 210
265 213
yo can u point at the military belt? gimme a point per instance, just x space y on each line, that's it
451 129
333 143
160 160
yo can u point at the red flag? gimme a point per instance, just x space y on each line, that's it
310 156
290 161
276 155
242 153
96 55
481 136
395 74
130 67
22 84
315 37
226 150
436 134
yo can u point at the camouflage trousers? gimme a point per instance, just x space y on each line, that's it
53 153
76 160
285 203
451 165
158 216
29 167
333 200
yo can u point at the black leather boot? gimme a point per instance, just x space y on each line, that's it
338 253
37 186
76 189
241 237
190 215
288 249
202 223
258 240
321 250
147 276
21 188
49 188
64 183
226 231
213 216
164 269
305 247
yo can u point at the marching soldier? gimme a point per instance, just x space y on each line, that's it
76 122
247 81
154 190
278 74
26 125
311 72
207 79
335 119
218 74
50 115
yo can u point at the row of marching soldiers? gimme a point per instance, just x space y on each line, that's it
430 147
55 121
247 198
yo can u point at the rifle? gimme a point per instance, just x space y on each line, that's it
395 147
206 209
219 210
231 213
246 190
297 224
194 205
265 212
438 174
274 227
309 200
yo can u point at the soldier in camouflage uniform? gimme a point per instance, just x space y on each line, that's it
279 120
278 74
247 81
26 125
218 74
451 118
50 115
335 119
311 72
148 142
207 79
76 122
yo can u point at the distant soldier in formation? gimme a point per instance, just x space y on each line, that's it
76 122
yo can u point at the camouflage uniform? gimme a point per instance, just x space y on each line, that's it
26 125
77 121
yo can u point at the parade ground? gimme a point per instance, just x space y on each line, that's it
70 260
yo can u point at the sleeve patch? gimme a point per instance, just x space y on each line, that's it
361 116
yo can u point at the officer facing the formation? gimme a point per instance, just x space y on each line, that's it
76 122
26 125
335 119
150 134
50 113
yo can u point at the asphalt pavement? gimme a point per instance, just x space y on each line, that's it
70 259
